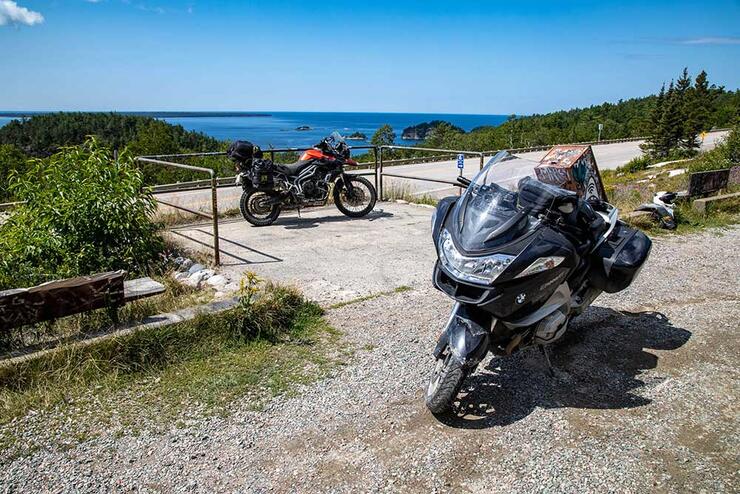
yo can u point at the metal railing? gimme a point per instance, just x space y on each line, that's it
159 160
376 167
381 173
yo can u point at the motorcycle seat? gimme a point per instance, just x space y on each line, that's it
293 168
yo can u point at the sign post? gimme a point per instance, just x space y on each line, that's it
460 166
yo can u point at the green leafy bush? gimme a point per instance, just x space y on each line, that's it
725 155
636 164
85 213
12 160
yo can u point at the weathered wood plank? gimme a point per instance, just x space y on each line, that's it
141 288
702 183
60 298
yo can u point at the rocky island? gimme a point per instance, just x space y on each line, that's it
421 131
356 136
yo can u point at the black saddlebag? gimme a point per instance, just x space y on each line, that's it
262 174
619 259
243 152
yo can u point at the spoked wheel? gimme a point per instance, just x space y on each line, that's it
356 198
258 209
444 384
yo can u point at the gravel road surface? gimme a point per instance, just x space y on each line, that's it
645 399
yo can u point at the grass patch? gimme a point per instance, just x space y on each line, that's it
627 191
393 191
175 297
398 289
159 378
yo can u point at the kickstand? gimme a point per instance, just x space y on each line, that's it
546 354
299 212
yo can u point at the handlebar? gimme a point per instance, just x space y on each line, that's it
464 181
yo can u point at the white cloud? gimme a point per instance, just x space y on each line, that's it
712 40
12 13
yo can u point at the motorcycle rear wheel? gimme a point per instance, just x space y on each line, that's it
444 384
256 210
360 202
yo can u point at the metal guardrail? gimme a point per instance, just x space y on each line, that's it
158 160
381 173
377 166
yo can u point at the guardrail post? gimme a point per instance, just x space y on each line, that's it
375 155
380 177
481 161
214 207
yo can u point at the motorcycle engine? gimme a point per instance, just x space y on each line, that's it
315 191
551 328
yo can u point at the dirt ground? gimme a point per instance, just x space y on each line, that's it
645 397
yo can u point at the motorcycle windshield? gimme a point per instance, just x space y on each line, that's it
489 214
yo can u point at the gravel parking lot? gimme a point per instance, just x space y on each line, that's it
645 398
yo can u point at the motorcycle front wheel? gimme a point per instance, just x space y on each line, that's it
444 384
358 199
257 208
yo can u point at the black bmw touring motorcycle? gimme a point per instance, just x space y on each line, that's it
520 258
270 187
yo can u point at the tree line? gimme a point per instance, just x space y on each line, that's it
672 119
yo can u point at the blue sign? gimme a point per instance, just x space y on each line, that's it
461 161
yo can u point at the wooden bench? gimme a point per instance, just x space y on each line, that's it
62 298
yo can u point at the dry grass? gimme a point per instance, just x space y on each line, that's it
272 342
393 190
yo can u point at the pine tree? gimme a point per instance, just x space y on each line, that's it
654 144
689 130
703 101
671 124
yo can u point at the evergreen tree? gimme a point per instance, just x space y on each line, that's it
702 101
655 143
671 123
689 129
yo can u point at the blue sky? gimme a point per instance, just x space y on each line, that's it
400 56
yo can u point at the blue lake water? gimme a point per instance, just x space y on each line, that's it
278 129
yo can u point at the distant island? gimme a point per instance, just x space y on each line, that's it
356 136
421 131
151 114
303 128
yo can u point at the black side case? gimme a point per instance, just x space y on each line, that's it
243 151
619 259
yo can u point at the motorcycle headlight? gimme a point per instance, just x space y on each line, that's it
481 270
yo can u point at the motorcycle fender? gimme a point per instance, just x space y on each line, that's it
467 337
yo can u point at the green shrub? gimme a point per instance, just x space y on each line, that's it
725 155
12 160
636 164
85 213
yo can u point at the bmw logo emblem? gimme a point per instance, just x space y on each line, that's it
521 298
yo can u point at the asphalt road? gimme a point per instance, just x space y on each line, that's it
608 157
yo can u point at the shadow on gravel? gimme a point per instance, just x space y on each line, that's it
296 223
597 364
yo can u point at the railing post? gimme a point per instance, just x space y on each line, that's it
214 208
375 154
481 161
380 177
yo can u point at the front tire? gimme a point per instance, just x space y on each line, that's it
357 203
444 384
256 209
